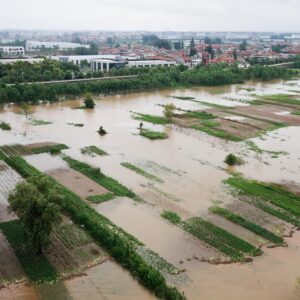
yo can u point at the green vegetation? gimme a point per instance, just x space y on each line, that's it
151 119
35 203
282 98
252 146
233 160
36 267
35 122
5 126
53 149
297 112
91 150
118 243
171 216
267 192
183 98
43 71
237 219
210 123
277 212
203 115
105 181
153 135
169 111
154 78
88 101
14 150
219 238
101 198
141 172
217 133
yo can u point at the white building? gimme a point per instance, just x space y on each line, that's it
77 59
36 45
105 65
29 60
12 50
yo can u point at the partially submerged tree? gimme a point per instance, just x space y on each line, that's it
35 203
25 108
233 160
88 101
169 111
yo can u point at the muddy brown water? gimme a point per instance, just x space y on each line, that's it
192 169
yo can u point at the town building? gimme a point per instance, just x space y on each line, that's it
12 51
105 65
37 46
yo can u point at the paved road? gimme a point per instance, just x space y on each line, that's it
77 80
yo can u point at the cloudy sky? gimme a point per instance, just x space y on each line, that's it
197 15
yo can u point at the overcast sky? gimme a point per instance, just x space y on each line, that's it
160 15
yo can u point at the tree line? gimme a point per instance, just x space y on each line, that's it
153 78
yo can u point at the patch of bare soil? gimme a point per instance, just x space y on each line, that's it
18 291
5 216
72 250
40 145
77 182
268 112
10 269
237 128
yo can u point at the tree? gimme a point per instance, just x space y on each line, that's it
169 111
88 101
234 53
243 45
25 108
35 203
193 50
163 44
232 160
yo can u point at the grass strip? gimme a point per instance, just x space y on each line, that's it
198 115
53 149
218 133
153 135
117 242
282 98
36 267
95 174
268 192
159 120
173 217
101 198
91 150
141 172
297 112
237 219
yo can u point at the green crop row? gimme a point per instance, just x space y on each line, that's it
153 135
268 192
101 198
95 174
53 149
90 150
36 267
237 219
219 238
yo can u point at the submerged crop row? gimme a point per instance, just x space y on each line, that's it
118 243
95 174
222 240
237 219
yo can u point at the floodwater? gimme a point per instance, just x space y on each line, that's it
191 166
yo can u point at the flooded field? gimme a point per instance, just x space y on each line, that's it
183 174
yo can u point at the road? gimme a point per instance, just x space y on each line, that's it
76 80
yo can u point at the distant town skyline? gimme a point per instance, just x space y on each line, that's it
156 15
